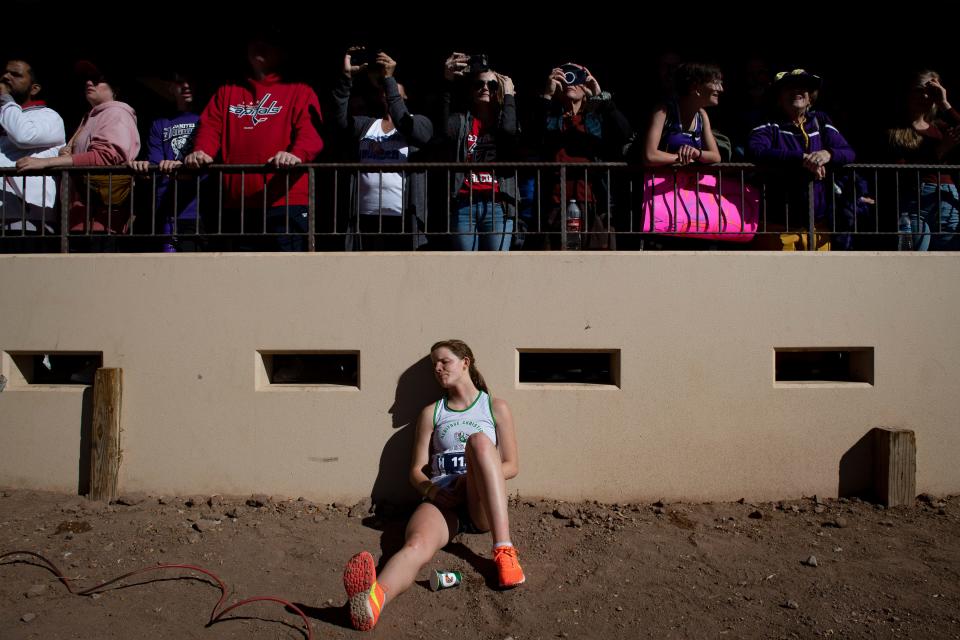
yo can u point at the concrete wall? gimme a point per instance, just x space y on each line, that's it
696 415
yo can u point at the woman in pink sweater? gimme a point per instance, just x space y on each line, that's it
107 136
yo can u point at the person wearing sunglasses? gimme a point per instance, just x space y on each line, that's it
484 202
803 143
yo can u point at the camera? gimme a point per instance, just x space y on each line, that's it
478 63
573 75
366 55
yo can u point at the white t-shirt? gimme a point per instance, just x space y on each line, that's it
35 131
382 192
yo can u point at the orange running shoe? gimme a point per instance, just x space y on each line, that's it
364 595
508 566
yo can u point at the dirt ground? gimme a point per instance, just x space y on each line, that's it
799 569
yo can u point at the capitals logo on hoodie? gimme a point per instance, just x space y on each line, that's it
256 111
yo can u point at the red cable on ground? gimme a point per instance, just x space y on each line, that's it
214 616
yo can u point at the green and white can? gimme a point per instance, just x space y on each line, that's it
445 579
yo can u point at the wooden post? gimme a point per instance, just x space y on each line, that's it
105 440
895 466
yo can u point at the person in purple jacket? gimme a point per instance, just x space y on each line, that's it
170 140
803 144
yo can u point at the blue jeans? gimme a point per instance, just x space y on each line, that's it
225 229
935 226
482 227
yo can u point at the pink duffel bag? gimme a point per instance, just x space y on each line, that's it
731 217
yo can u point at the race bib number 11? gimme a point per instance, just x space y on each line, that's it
453 463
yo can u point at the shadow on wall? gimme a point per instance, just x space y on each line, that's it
856 470
86 437
416 388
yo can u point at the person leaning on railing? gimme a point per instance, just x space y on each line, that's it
264 120
28 129
930 135
107 136
804 144
169 141
679 131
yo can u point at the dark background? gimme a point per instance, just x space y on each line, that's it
861 51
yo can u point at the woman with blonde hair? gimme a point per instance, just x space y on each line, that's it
465 449
930 136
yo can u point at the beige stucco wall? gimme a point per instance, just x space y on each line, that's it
696 415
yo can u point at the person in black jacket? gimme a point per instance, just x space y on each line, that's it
483 202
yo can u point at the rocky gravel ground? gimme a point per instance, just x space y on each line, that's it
794 569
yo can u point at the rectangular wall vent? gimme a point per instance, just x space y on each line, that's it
56 368
279 369
823 365
569 366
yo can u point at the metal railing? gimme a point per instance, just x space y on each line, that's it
314 207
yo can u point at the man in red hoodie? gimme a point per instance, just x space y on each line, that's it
262 121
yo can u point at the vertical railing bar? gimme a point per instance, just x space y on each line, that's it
311 209
563 207
87 181
64 211
220 202
336 195
109 202
919 207
743 200
154 185
263 228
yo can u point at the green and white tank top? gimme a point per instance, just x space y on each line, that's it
451 428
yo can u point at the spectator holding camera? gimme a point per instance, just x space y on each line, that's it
930 135
484 203
679 130
381 202
578 122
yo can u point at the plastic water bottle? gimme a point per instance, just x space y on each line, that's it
574 225
905 238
